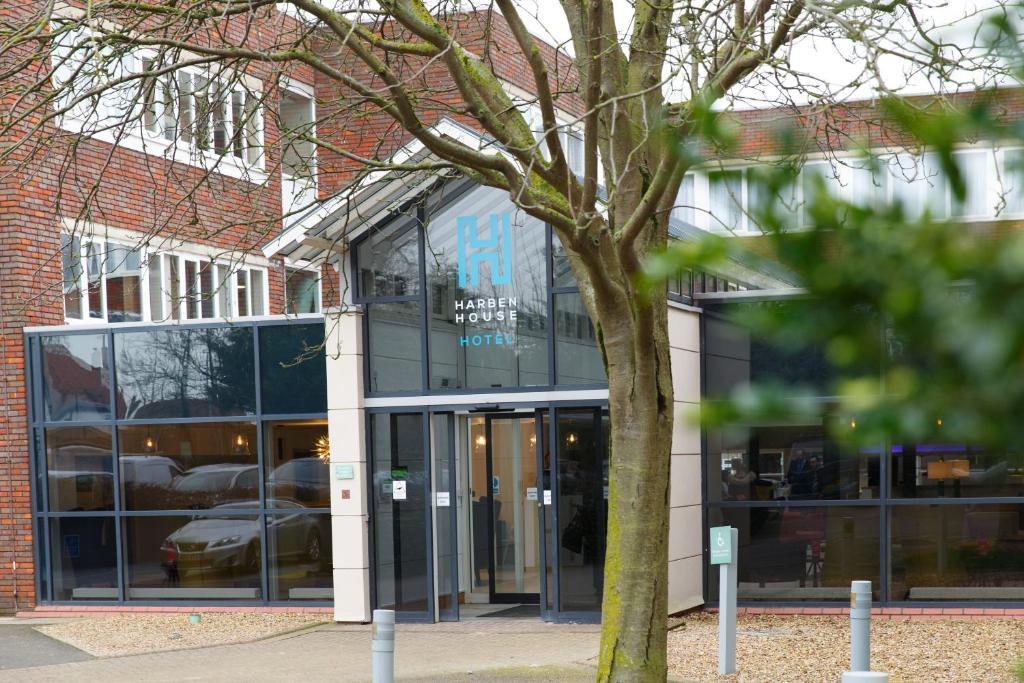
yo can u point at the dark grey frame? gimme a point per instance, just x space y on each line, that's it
884 503
41 514
540 410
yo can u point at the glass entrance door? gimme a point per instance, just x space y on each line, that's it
507 561
515 529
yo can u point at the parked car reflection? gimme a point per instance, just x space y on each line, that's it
304 481
222 545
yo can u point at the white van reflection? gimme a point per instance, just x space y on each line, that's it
230 546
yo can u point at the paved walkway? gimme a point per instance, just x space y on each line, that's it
22 646
341 653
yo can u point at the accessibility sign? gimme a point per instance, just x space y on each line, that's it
721 545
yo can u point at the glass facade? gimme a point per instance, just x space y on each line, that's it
184 462
935 521
467 292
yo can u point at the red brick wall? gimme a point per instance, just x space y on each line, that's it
50 178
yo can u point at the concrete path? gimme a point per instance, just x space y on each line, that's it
511 648
22 646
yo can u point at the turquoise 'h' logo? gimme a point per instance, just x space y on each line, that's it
495 250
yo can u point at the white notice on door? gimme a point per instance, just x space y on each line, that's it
547 496
398 490
531 493
443 499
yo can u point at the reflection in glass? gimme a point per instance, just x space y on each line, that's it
189 466
76 377
299 553
215 556
561 271
124 284
400 529
489 330
582 508
297 461
577 358
801 553
79 469
479 493
293 369
957 552
447 544
734 357
954 470
302 291
201 372
789 462
513 478
394 349
389 261
84 556
550 548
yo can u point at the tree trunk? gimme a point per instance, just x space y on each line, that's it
634 611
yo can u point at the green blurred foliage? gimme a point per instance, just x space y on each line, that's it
933 308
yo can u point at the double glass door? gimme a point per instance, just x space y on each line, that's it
506 508
498 508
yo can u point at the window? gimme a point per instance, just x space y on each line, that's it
572 144
683 210
1012 177
726 188
124 284
302 291
210 114
870 184
974 167
71 264
107 281
113 280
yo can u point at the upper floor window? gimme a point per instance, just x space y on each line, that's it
136 99
209 114
729 199
105 281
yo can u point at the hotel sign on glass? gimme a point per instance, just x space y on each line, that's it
490 253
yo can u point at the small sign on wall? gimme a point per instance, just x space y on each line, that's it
443 499
398 490
531 493
547 496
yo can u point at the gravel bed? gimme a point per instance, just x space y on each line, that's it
806 649
129 634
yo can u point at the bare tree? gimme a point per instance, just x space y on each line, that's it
640 94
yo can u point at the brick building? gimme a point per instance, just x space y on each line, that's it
176 431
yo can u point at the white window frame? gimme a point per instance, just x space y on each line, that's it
134 134
916 181
227 85
1005 186
167 297
102 243
305 91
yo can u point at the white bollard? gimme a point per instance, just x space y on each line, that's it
860 626
383 646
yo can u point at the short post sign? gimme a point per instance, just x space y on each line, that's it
723 544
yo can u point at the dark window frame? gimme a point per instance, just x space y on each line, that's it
37 424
